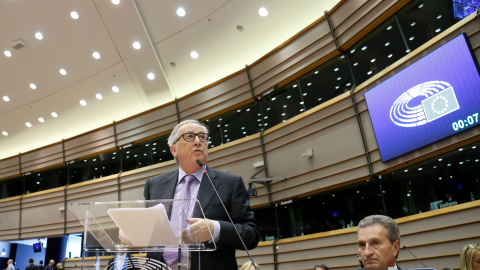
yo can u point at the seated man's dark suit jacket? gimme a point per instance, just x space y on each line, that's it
31 267
231 189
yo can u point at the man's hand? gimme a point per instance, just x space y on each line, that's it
201 230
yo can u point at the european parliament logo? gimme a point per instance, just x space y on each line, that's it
438 100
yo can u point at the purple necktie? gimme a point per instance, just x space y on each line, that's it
186 193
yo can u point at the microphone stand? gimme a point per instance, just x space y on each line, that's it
224 208
405 247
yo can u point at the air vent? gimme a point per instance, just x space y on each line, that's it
17 45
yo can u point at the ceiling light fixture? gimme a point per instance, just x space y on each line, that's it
5 133
96 55
263 12
54 114
194 54
115 89
151 76
33 86
28 124
41 120
99 96
39 36
136 45
7 53
83 102
63 71
6 98
116 2
74 15
181 12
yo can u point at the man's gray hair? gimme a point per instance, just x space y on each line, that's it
174 135
393 233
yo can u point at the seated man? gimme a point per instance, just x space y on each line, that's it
378 240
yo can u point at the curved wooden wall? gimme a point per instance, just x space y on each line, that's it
330 129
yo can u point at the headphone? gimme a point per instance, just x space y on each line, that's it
360 263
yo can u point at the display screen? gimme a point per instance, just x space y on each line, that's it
37 247
433 98
463 8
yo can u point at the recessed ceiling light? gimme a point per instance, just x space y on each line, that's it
181 12
83 102
41 120
33 86
370 72
54 114
63 71
408 50
364 48
6 98
355 64
194 54
5 133
136 45
263 12
390 55
439 17
151 76
96 55
7 53
28 124
438 30
115 89
413 24
336 69
39 36
387 44
373 60
389 27
74 15
411 38
116 2
420 6
99 96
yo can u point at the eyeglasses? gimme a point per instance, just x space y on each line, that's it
190 137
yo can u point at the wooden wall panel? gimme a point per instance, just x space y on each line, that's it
151 123
49 156
262 255
315 43
90 143
226 93
9 167
10 216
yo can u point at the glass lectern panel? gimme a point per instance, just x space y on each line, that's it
136 227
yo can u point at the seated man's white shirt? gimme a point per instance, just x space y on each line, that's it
120 261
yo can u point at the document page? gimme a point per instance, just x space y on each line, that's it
145 226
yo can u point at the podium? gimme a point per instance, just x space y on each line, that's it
137 227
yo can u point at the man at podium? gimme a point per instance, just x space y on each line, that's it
189 145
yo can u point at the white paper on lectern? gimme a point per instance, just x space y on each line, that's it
145 226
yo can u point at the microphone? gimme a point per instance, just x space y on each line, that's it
224 208
405 247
